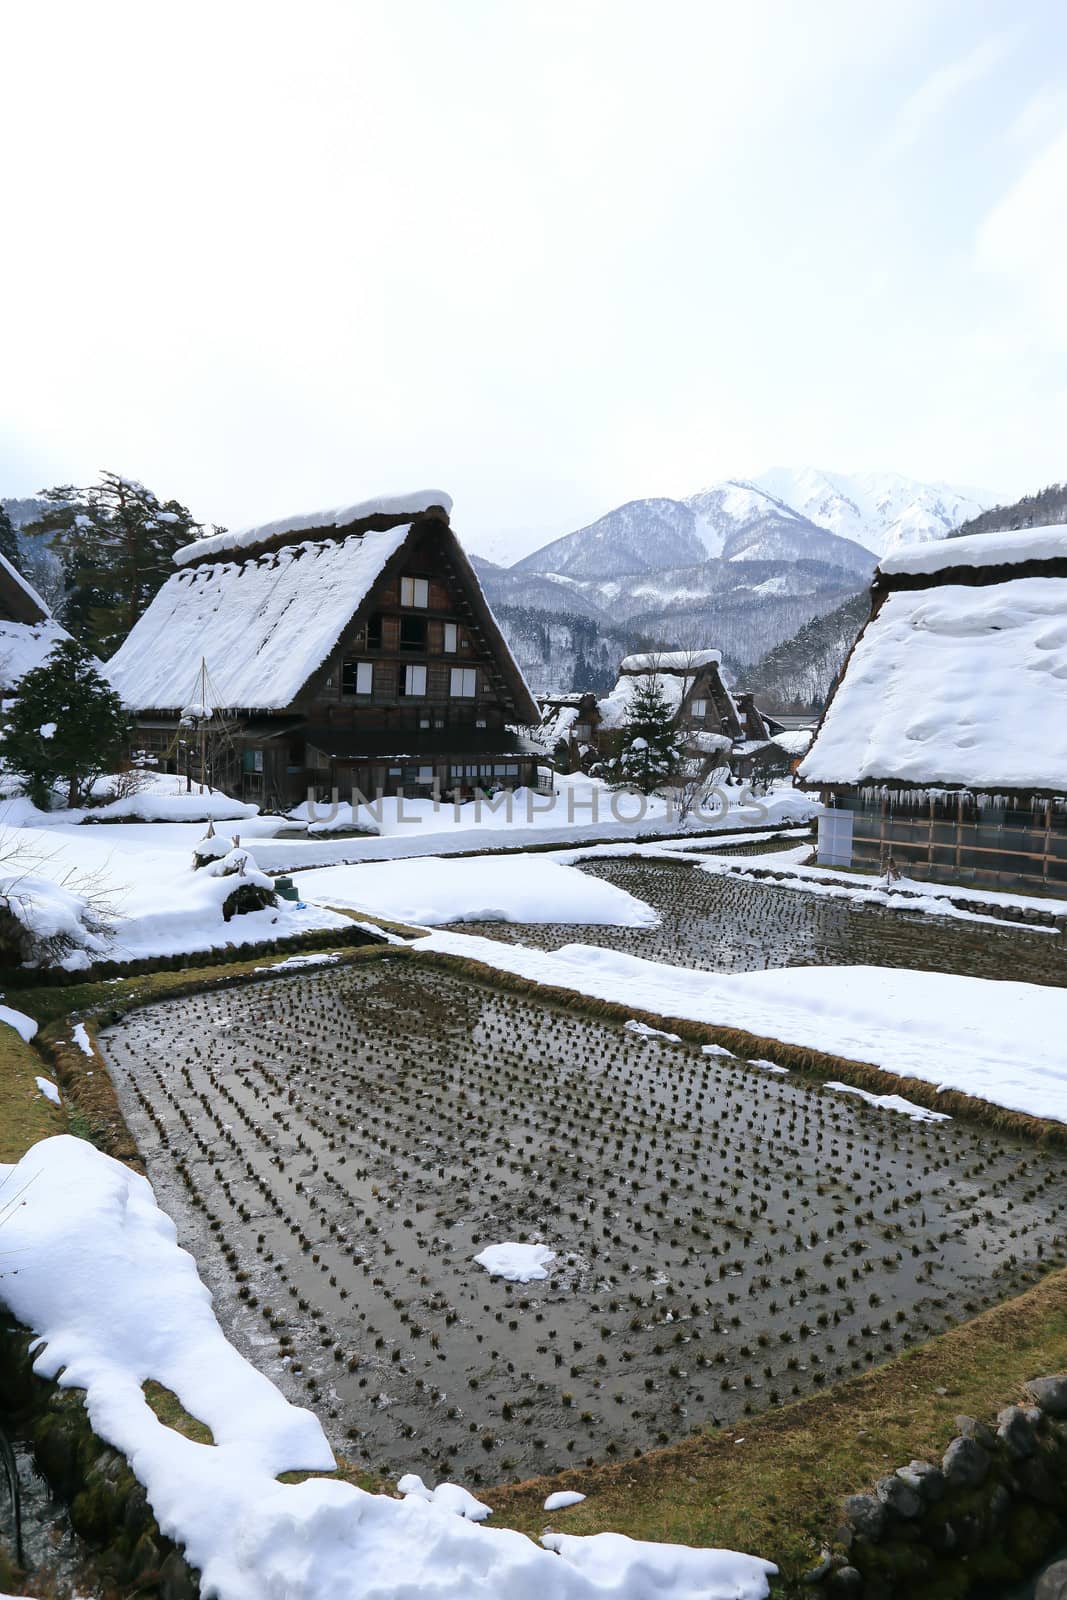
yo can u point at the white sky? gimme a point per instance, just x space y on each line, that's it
547 254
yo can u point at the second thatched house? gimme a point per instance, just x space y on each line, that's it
944 744
28 632
336 650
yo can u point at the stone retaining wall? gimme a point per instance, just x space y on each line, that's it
108 1507
985 1516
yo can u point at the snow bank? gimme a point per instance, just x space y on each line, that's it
49 1090
410 505
449 1496
562 1499
999 1041
115 1302
980 550
164 799
518 1263
23 1025
516 888
57 925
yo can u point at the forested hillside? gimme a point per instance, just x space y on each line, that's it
798 674
1038 510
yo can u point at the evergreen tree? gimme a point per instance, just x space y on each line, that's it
652 748
115 540
8 543
67 724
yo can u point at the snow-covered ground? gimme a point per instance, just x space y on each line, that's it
999 1041
578 807
142 870
138 875
114 1302
517 888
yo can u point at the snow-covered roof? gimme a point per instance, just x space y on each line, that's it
406 505
24 646
263 625
670 661
557 723
955 685
794 741
615 707
979 550
28 592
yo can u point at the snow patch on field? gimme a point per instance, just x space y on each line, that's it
892 1102
114 1301
518 1263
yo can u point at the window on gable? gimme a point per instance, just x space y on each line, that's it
413 633
415 592
413 681
698 708
374 632
357 677
464 682
451 638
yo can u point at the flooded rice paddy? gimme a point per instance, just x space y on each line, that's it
337 1145
726 924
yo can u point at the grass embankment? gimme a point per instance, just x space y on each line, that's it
25 1114
774 1484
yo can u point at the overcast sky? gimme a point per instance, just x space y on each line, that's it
547 256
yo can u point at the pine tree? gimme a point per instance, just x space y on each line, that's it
115 539
9 547
67 724
652 748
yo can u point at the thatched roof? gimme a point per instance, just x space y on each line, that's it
267 618
28 634
959 678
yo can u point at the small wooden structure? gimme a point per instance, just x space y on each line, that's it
943 748
569 730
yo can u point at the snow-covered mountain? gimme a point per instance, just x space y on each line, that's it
880 510
731 521
741 565
785 513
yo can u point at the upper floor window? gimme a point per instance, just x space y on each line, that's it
357 677
464 681
451 638
374 632
698 708
413 633
413 681
415 592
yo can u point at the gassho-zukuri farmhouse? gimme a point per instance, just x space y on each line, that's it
341 649
944 743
